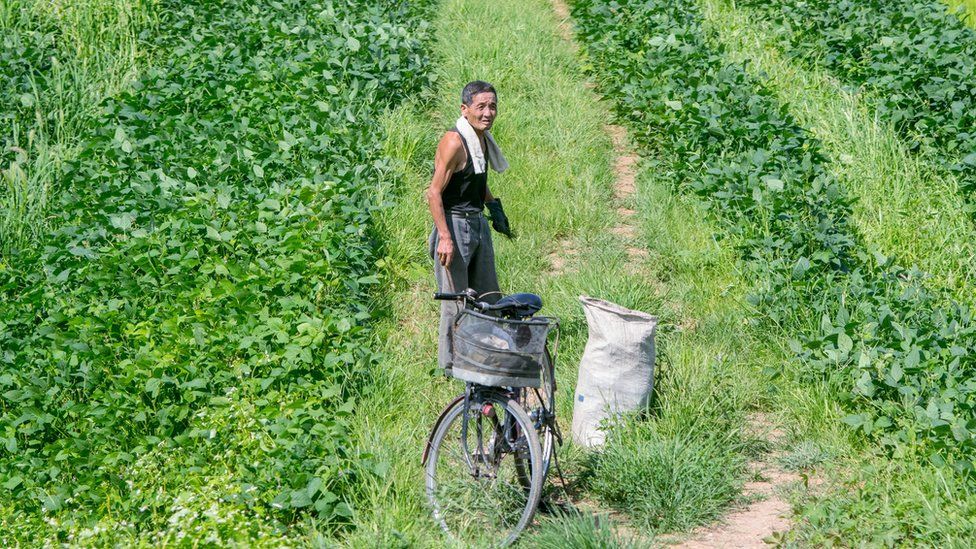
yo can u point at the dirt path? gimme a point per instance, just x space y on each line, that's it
767 513
749 526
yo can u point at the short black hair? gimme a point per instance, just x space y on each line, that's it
474 88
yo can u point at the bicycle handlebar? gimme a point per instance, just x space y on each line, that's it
468 295
448 297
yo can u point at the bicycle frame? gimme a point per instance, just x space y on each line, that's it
467 300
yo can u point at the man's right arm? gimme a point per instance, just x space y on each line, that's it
449 153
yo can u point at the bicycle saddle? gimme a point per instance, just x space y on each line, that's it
518 305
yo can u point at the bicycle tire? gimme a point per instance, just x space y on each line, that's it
467 503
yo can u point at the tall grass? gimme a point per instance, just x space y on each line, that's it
60 59
577 531
966 10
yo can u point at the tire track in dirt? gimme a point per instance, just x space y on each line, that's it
768 511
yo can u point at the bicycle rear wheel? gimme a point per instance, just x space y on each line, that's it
540 405
473 483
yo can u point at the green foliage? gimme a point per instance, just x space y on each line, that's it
183 354
900 355
916 55
58 61
899 503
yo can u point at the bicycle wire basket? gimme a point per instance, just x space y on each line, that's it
498 352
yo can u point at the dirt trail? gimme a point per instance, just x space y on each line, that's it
625 169
749 525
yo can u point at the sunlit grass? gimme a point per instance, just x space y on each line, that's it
967 10
907 203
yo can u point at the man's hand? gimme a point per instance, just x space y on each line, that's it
499 221
445 251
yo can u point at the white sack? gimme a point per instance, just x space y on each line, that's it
616 374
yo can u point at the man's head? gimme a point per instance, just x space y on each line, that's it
479 104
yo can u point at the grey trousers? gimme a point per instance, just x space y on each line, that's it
473 266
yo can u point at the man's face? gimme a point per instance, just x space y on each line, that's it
482 111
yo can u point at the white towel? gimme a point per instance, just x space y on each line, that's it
495 157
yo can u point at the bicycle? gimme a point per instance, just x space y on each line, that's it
489 452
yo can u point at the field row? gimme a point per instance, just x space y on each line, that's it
899 354
914 55
183 351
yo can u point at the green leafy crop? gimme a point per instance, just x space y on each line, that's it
180 357
902 355
918 58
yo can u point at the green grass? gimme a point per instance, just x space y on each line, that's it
63 59
577 531
558 194
666 481
967 10
907 204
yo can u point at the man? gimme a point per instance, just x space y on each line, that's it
460 243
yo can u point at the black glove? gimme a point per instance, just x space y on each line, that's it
499 221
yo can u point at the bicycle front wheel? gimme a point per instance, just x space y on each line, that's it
475 480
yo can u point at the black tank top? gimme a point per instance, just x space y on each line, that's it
465 191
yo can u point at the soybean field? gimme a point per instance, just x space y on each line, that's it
216 324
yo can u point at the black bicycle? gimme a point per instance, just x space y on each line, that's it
489 452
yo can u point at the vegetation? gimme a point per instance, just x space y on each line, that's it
964 9
904 203
666 482
895 352
182 355
59 60
577 531
215 324
917 57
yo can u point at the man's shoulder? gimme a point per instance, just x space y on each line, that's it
451 140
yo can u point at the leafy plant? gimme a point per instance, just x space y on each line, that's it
916 56
900 355
186 347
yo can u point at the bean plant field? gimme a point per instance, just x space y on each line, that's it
215 324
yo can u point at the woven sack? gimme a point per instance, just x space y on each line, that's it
616 373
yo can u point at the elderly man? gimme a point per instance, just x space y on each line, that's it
460 242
